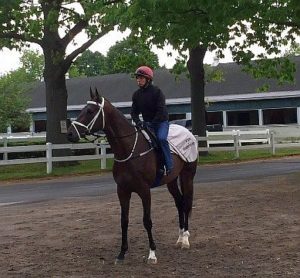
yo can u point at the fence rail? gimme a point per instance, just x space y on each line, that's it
237 142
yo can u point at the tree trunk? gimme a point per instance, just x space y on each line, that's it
56 103
56 96
196 69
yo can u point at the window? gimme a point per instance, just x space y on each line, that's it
173 117
213 118
40 126
280 116
240 118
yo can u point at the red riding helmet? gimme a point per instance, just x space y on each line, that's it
144 71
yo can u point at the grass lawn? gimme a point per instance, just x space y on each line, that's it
38 170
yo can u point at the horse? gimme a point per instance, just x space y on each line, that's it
135 167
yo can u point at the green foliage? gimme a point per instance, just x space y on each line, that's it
127 55
294 50
54 25
275 25
13 89
281 69
89 64
33 64
13 100
38 170
124 57
194 27
74 72
212 74
186 24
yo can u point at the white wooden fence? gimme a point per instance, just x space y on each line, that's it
242 136
216 141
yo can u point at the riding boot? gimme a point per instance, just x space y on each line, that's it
159 176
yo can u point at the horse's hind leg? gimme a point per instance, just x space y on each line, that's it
124 198
146 200
187 188
178 198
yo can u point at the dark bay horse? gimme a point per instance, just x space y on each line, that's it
135 168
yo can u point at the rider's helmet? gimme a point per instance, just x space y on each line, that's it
144 71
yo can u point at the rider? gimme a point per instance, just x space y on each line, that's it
149 101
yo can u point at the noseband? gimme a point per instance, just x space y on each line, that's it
90 125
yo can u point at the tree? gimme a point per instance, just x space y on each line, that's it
293 51
130 53
124 57
195 27
275 25
53 25
13 100
32 63
13 89
89 64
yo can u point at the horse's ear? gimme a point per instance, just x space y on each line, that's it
97 94
94 95
91 94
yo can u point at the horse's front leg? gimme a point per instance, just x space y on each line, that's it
146 200
124 198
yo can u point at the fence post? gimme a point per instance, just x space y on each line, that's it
103 156
97 147
236 144
272 143
5 155
49 157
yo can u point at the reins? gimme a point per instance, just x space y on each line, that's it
133 148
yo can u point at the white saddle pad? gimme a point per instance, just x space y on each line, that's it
183 143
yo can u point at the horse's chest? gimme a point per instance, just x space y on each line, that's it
123 176
131 175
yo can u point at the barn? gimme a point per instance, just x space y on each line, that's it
232 103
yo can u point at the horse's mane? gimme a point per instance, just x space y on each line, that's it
118 111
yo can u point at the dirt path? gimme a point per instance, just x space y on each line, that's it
238 229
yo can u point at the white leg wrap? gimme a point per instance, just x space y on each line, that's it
180 238
152 258
185 240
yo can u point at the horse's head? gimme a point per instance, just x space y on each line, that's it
90 120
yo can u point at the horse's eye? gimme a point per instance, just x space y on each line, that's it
89 111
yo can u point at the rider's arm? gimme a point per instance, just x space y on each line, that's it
135 111
161 107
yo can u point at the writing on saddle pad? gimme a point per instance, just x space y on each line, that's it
183 143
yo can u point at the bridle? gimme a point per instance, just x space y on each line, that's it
90 125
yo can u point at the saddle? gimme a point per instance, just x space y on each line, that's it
150 137
153 142
181 141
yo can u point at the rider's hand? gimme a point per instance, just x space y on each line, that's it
140 124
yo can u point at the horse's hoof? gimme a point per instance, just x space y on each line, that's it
152 258
178 244
152 261
185 246
119 261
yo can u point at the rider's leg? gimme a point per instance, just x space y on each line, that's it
161 131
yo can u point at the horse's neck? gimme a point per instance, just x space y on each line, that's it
119 132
